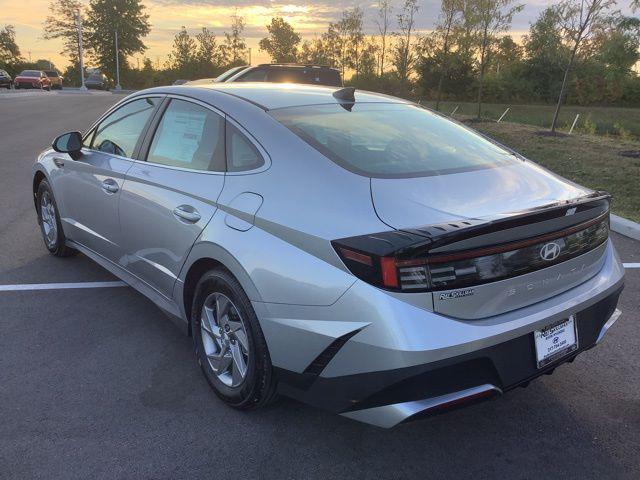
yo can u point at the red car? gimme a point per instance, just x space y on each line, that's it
32 79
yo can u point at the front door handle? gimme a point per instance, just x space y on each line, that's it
110 185
187 213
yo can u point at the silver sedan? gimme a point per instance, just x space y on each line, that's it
352 250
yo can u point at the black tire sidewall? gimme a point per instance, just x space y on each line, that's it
59 247
258 379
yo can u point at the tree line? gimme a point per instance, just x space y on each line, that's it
580 51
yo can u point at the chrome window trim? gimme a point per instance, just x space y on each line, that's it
265 156
162 96
121 103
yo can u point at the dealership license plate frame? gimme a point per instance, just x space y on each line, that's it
565 330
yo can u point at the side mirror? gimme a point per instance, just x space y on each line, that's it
68 143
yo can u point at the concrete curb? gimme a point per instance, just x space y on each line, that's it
625 227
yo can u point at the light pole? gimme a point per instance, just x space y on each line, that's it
79 26
118 87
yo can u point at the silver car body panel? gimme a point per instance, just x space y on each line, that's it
272 229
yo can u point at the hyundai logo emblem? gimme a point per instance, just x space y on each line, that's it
550 251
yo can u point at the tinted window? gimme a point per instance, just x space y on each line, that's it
189 136
51 73
289 75
30 73
229 73
257 75
241 154
120 131
392 140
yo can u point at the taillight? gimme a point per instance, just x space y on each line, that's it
407 265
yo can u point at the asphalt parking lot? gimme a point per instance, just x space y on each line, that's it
97 383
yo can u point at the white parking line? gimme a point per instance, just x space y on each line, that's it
60 286
631 265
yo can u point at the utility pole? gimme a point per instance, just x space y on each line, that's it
249 55
118 87
79 27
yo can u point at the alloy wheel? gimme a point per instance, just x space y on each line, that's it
224 339
48 216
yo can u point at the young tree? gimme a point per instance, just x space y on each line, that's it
103 19
61 23
353 20
182 57
449 19
493 17
384 23
403 55
9 51
316 52
579 20
282 42
545 54
235 46
207 55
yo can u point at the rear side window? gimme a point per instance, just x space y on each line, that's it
189 136
392 140
118 133
289 75
241 154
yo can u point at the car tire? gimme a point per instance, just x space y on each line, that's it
258 387
55 242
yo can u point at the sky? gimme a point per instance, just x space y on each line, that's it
309 18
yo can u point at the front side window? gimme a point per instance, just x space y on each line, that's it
189 136
118 134
257 75
392 140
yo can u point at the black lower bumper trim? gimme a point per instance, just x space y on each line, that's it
505 365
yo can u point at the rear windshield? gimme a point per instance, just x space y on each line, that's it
392 140
30 73
51 73
95 76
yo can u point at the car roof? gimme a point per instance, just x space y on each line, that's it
270 96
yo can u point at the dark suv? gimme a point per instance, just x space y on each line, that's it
5 79
289 73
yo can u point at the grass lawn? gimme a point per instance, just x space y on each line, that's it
617 121
589 160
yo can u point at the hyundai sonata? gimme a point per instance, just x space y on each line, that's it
352 250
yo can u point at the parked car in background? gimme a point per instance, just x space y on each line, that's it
97 81
289 73
32 79
278 73
5 79
55 78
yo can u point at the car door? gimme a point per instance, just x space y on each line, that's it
169 198
89 185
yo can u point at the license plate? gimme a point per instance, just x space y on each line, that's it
555 341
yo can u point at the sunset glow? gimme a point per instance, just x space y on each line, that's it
310 19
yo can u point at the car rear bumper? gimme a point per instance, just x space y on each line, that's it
386 363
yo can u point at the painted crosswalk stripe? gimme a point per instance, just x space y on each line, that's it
631 265
60 286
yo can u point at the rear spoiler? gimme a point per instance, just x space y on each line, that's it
558 215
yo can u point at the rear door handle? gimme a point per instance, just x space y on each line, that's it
58 161
110 185
187 213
